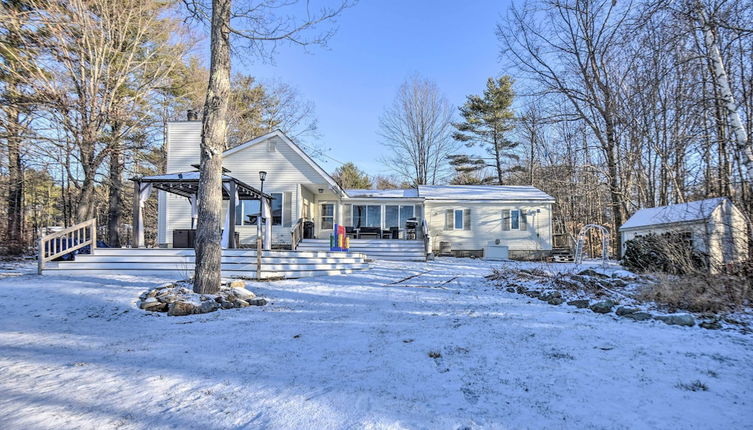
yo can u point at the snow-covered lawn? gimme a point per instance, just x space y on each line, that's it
441 350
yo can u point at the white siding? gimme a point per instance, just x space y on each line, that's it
183 145
486 225
285 171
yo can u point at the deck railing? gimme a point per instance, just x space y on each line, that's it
66 241
296 234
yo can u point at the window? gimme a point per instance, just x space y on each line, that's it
374 216
514 219
276 208
246 212
405 213
367 216
327 214
392 216
457 219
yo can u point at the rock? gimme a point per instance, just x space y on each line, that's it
167 298
618 283
243 293
622 311
638 316
208 306
711 325
556 301
677 319
579 303
237 283
521 290
240 303
602 307
178 309
227 304
532 294
258 301
592 273
510 289
548 295
153 305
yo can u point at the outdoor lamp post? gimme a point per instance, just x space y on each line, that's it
262 177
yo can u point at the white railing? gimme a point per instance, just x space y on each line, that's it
296 234
427 239
66 241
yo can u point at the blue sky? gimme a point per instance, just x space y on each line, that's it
378 44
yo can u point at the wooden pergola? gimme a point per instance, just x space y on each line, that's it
186 184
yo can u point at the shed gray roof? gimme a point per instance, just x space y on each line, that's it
682 212
483 192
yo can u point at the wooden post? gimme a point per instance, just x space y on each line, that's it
94 235
136 230
231 214
258 258
40 262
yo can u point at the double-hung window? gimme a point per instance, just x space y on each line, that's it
457 219
514 219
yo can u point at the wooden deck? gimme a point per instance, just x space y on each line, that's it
179 263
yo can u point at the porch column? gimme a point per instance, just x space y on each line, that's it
232 203
339 217
136 233
141 192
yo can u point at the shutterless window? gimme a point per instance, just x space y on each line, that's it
276 208
458 219
327 211
246 212
391 216
514 219
406 212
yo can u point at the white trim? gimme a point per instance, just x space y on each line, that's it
296 149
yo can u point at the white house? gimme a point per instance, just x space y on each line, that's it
460 218
714 227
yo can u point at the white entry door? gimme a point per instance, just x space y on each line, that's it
326 219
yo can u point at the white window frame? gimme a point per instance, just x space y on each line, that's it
455 219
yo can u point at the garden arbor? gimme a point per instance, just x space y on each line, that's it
582 238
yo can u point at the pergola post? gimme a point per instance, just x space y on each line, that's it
136 234
231 214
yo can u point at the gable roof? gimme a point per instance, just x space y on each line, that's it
399 193
683 212
297 149
483 192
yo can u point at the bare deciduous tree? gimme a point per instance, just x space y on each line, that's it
258 25
417 131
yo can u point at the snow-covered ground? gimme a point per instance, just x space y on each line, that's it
444 349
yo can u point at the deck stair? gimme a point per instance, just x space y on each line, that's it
179 263
562 255
377 249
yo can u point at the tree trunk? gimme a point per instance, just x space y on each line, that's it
15 183
115 197
726 96
213 136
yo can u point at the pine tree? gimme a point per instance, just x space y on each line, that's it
487 119
348 176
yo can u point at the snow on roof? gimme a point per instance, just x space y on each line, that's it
682 212
406 193
482 192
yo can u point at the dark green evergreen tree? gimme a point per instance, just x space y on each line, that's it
487 121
